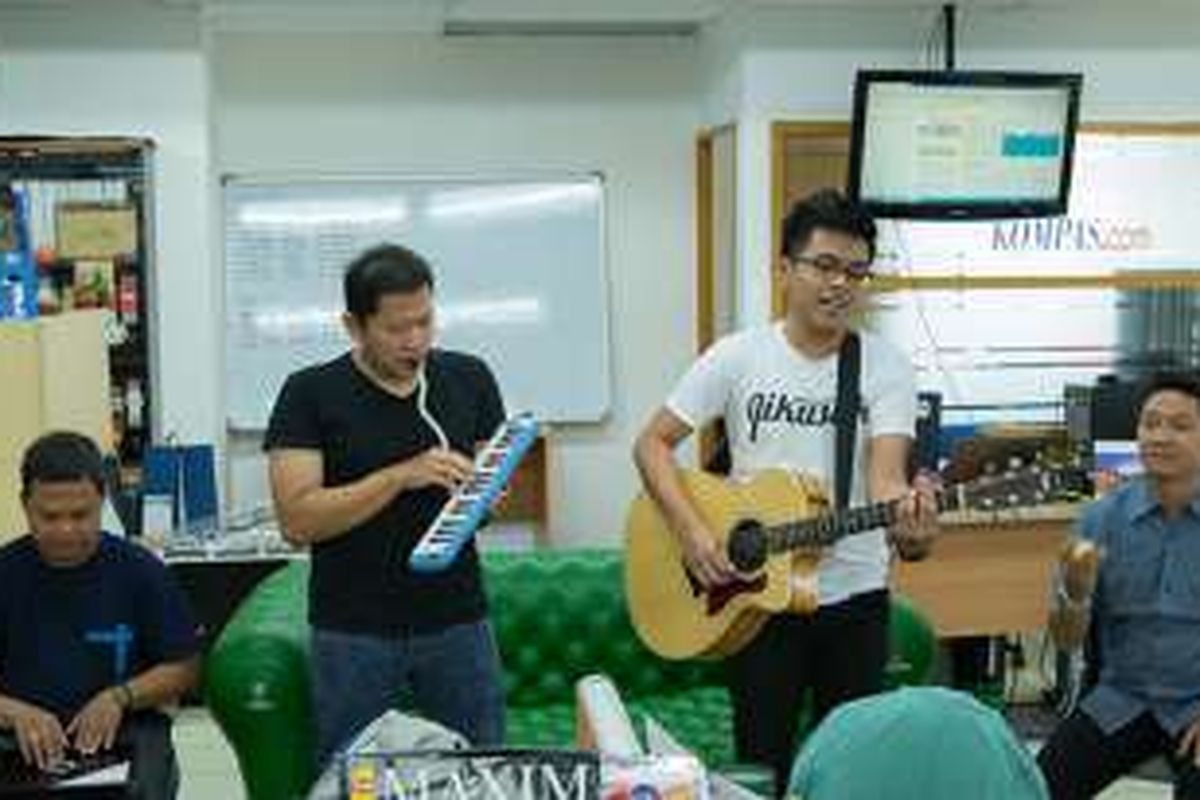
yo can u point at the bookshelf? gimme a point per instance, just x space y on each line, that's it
89 205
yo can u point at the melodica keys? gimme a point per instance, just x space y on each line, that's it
467 507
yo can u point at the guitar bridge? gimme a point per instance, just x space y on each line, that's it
716 598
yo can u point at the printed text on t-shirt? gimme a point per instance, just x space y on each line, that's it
773 407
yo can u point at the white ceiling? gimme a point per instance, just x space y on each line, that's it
580 16
546 9
540 16
694 10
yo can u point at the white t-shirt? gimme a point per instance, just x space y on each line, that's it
778 409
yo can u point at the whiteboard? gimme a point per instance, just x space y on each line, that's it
519 268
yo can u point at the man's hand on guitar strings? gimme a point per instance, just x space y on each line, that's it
705 560
916 522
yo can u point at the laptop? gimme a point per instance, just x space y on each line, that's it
96 776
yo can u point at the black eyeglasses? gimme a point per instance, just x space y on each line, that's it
830 265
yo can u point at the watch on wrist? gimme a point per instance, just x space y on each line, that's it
124 696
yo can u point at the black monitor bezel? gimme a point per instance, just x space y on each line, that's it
965 210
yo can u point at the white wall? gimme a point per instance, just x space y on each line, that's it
78 69
416 103
1139 61
721 43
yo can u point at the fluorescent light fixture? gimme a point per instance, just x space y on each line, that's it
474 203
623 28
307 213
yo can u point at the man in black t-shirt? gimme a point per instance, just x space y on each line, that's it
364 451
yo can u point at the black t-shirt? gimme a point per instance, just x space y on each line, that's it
360 581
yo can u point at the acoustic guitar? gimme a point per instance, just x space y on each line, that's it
773 529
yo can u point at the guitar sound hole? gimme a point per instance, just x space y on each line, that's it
747 546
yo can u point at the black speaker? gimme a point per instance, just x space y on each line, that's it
1077 414
1113 409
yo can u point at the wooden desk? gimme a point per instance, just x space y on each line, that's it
987 579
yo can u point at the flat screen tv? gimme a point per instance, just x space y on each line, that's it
970 145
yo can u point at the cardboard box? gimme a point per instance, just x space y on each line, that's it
95 230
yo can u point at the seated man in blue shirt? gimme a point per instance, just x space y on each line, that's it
94 633
1143 607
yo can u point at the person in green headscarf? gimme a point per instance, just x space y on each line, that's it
924 743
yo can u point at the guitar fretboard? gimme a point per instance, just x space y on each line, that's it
827 529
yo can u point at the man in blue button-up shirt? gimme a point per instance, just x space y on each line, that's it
1145 612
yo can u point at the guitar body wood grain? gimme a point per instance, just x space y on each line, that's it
672 614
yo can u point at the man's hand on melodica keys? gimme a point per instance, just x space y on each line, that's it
437 466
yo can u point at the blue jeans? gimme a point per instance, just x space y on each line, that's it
453 676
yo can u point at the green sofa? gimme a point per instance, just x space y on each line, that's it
558 615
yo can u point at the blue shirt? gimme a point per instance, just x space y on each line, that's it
1146 610
68 632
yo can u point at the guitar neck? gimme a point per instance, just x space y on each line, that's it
827 529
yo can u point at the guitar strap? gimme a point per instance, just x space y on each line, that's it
845 416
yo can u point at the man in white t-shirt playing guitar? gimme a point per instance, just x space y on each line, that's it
775 386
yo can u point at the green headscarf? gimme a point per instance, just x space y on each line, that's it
918 743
